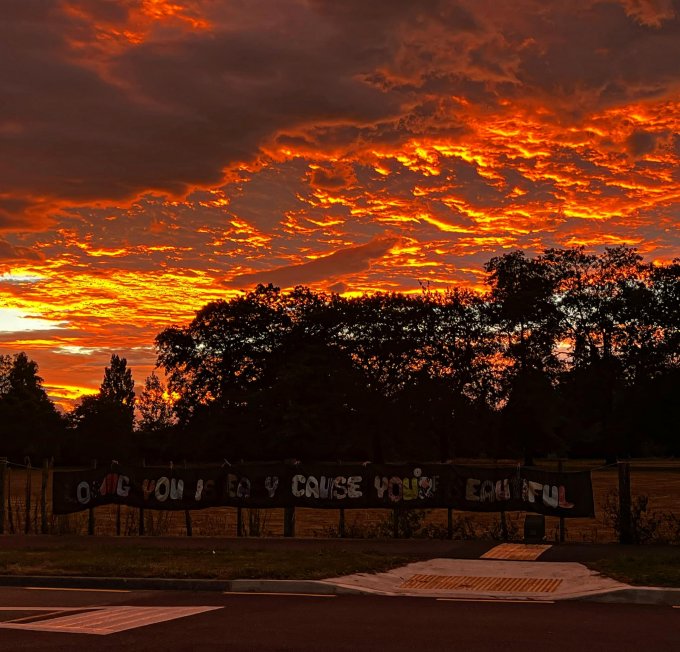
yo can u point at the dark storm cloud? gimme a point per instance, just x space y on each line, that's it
338 264
590 52
10 252
166 114
333 177
88 116
640 143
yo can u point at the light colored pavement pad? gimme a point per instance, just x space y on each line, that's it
104 620
486 578
467 583
516 551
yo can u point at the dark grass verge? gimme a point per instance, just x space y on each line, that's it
642 566
198 564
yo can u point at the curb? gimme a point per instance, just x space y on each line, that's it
627 595
636 595
292 586
163 584
114 583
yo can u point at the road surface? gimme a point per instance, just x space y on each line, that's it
215 621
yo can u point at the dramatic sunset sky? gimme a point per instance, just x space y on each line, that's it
159 154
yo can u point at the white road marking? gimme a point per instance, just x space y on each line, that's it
55 588
495 600
44 608
282 593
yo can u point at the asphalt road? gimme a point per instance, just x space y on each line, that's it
297 622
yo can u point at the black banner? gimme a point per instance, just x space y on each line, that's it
154 488
525 489
320 485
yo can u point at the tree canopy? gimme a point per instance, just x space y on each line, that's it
103 423
568 352
30 425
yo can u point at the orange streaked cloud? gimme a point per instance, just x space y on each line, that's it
159 154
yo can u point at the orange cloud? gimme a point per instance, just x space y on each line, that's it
150 149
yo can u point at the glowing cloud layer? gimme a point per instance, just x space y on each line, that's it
157 155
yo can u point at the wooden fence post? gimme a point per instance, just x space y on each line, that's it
625 519
341 523
3 473
10 512
187 517
43 496
239 521
563 533
141 512
90 513
504 526
289 521
27 502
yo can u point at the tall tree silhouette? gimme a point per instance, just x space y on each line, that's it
156 420
155 408
523 311
103 423
29 422
215 359
604 303
312 403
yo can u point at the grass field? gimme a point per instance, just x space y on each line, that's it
657 479
112 561
226 559
643 566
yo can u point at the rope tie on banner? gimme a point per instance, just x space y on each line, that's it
604 466
517 481
19 466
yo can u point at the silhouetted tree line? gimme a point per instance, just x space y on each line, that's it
568 353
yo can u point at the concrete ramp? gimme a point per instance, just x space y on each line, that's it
484 579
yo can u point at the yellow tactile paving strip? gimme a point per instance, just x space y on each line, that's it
516 551
486 584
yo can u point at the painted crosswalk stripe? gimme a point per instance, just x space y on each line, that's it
107 620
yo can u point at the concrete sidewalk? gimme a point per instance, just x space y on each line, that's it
456 571
505 572
484 579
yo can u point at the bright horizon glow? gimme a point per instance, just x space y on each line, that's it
13 320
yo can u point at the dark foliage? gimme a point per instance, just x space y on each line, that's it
102 424
569 353
29 423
